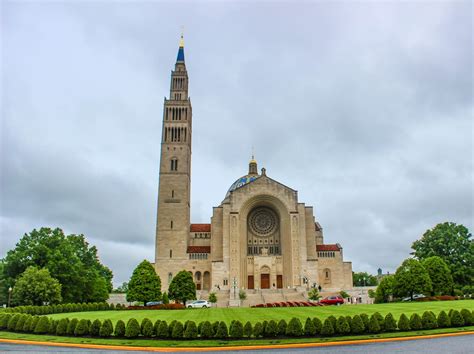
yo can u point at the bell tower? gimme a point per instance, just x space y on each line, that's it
173 216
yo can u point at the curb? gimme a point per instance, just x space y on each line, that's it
243 347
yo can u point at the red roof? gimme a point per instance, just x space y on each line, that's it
200 227
199 249
334 247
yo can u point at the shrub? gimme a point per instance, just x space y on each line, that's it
247 331
147 328
309 329
404 323
206 330
106 329
333 320
443 320
27 324
165 299
257 330
282 325
295 328
82 328
71 326
327 330
33 324
163 330
191 331
236 329
119 330
4 320
133 328
156 327
365 320
52 327
415 322
317 325
222 331
215 326
61 328
380 318
42 326
390 324
170 328
428 320
21 323
264 325
374 324
242 294
357 325
456 319
342 327
95 328
467 316
178 330
13 321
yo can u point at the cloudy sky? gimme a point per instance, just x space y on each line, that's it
365 108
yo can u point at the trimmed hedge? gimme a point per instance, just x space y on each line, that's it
63 308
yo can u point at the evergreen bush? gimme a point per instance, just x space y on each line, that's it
333 320
271 330
443 320
295 328
415 322
309 329
52 327
317 325
191 331
404 323
61 328
4 319
156 326
357 325
282 325
21 323
428 320
95 328
467 316
119 330
215 326
199 327
374 324
264 326
248 330
106 329
178 330
257 330
236 330
390 324
71 326
27 325
342 327
13 321
33 324
456 319
170 328
42 326
133 328
206 330
147 328
222 331
163 330
327 329
82 328
365 319
380 318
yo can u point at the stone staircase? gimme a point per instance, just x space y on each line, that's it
272 296
253 298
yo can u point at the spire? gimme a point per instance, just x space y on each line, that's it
253 166
180 57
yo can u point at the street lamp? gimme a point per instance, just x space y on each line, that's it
9 295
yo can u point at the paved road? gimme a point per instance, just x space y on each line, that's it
444 345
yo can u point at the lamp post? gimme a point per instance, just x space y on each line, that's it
9 295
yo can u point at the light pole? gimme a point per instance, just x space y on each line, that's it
9 295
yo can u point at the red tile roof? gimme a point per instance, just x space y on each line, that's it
334 247
199 249
200 227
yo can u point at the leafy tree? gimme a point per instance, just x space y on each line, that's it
122 289
61 329
156 326
314 294
106 329
363 279
165 299
467 316
36 287
42 327
344 294
146 328
145 284
453 243
71 326
384 289
212 298
371 293
191 331
69 259
182 287
242 294
365 320
82 328
440 275
13 321
456 319
119 330
428 320
328 329
21 323
411 278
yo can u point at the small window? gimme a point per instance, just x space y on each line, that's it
226 282
172 194
174 165
171 225
171 253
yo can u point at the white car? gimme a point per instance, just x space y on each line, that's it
198 304
415 296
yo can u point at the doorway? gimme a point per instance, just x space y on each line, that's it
279 281
250 282
265 281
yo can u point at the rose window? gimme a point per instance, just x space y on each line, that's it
263 221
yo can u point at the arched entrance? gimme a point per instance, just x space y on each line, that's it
265 277
197 280
206 281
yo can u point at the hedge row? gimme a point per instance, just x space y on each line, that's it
343 325
63 308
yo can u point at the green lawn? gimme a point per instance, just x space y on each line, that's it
260 314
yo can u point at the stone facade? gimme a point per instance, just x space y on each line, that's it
260 237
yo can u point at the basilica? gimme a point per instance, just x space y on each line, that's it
260 236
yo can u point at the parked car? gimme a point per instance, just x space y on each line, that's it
154 303
198 304
415 296
332 300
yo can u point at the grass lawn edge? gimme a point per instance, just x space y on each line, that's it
9 337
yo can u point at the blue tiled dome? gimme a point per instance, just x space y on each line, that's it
242 181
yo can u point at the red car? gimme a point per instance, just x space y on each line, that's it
332 300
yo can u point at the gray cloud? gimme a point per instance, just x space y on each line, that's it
365 109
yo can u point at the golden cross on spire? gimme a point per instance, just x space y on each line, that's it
181 40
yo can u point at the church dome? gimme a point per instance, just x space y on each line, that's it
242 181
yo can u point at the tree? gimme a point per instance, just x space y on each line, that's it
314 294
182 287
344 294
440 275
453 243
411 278
36 287
145 284
122 289
384 290
363 279
212 298
69 259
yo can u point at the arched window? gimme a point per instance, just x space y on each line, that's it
170 277
174 164
327 274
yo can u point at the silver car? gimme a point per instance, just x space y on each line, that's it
198 304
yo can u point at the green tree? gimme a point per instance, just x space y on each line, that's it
178 330
163 330
145 284
212 298
456 319
271 329
182 287
36 287
384 289
404 323
122 289
314 295
453 243
42 326
82 328
411 278
363 279
165 299
257 330
440 275
344 294
317 325
69 259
